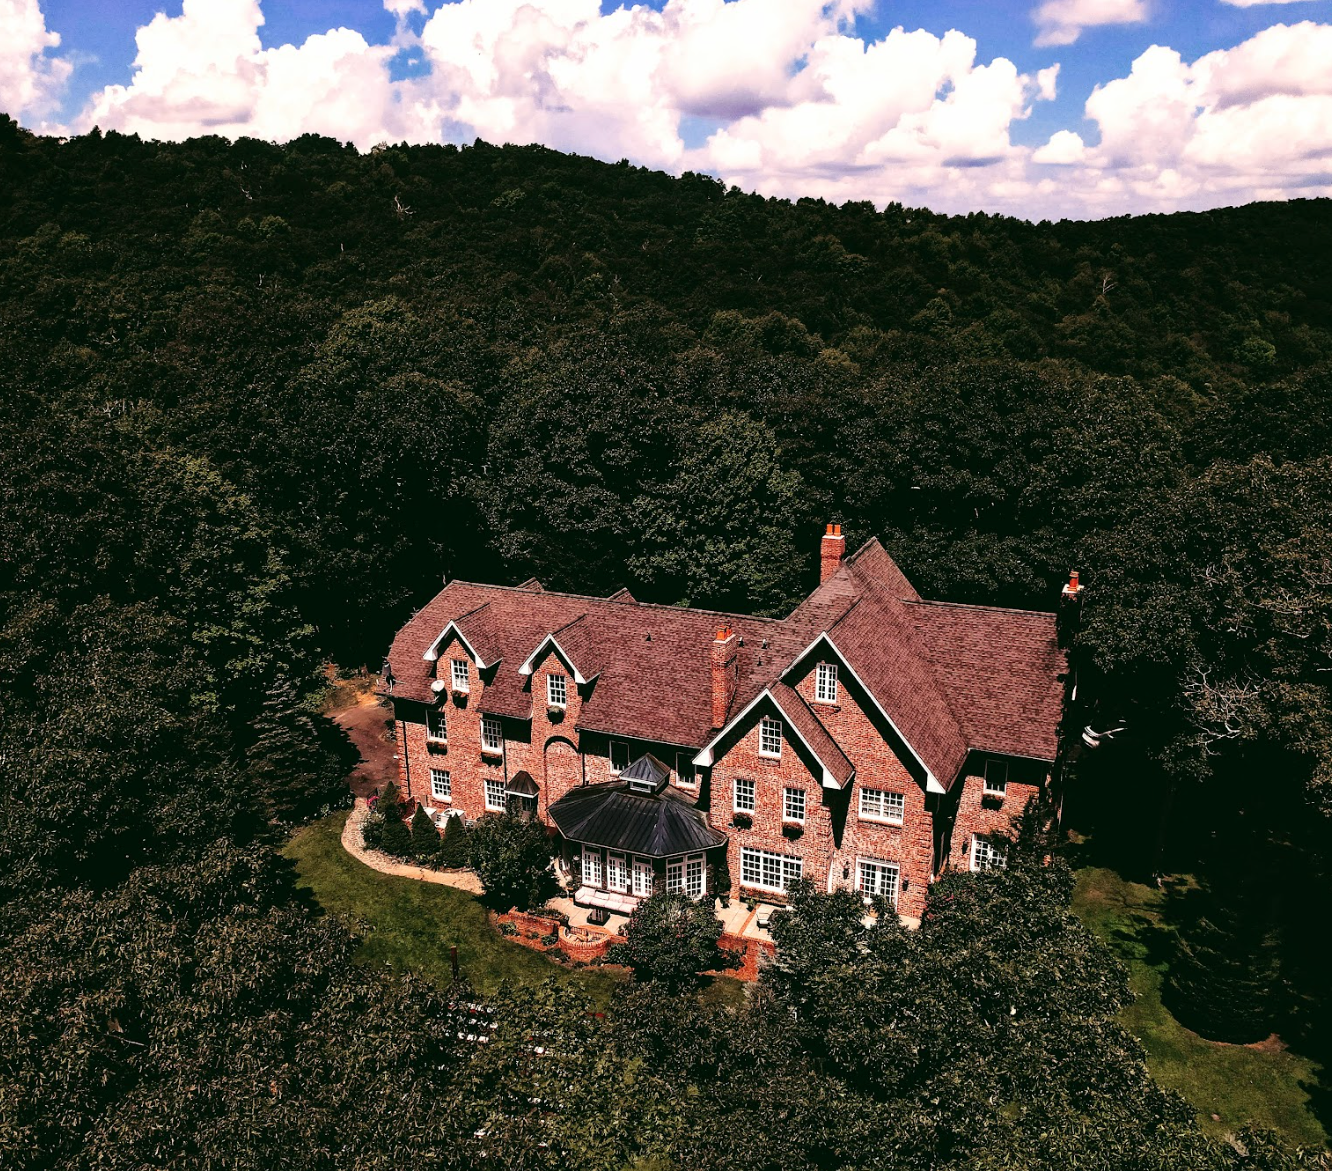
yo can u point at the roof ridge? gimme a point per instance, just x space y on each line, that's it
473 610
976 606
617 601
567 625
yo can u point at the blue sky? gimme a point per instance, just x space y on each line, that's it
944 120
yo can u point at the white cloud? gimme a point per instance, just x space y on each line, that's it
1064 147
1060 22
804 105
1255 3
31 81
206 72
1251 122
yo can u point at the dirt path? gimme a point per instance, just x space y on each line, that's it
369 725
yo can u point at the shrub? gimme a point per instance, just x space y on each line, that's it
670 938
721 876
425 837
395 839
453 844
549 940
507 928
511 854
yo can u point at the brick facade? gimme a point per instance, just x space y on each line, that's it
892 776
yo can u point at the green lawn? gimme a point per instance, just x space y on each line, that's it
1263 1086
411 925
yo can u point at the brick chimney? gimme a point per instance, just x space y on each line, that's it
724 673
1069 617
831 551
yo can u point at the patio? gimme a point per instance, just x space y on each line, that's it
736 919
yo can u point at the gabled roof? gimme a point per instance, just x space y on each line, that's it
837 770
660 825
949 679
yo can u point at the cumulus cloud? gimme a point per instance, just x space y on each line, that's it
803 104
206 72
31 80
1255 3
1061 22
1251 122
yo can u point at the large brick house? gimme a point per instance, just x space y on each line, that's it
868 740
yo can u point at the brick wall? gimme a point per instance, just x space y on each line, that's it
979 814
834 836
738 757
853 724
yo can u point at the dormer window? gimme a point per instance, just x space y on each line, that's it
460 675
770 737
557 690
436 730
996 778
619 757
825 683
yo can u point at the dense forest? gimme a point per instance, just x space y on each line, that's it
259 399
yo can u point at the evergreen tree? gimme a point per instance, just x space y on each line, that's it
395 838
425 837
453 844
1224 977
292 759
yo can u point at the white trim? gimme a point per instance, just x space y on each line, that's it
878 863
932 784
432 651
529 666
705 755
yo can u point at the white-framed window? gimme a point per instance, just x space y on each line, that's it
497 795
793 805
460 677
996 778
619 756
987 855
881 805
591 867
492 734
441 784
617 872
686 876
557 690
744 799
674 876
825 683
643 877
684 769
436 728
767 870
696 878
876 877
770 737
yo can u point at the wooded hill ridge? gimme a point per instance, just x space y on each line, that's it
257 399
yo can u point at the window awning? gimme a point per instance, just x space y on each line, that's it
521 784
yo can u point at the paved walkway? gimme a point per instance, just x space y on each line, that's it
353 843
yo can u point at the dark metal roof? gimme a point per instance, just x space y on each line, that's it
521 784
659 825
647 772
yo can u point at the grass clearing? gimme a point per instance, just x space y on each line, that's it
411 925
1261 1085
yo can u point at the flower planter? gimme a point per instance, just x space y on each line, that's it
742 821
554 713
791 830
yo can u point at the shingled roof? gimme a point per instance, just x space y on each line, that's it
950 679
